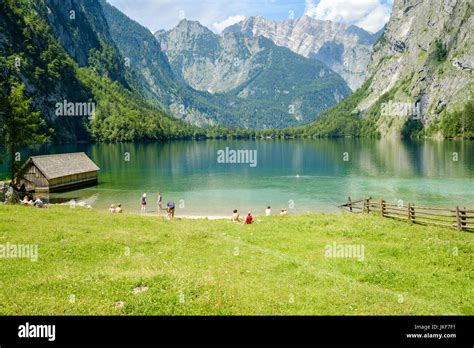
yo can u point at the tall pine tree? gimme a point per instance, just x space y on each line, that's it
19 126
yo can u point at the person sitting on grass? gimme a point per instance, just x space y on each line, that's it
268 211
112 208
170 210
27 201
284 212
38 203
119 209
249 219
235 216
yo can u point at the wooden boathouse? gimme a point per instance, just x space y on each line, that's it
58 172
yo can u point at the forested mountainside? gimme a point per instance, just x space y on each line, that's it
63 53
254 72
345 49
420 77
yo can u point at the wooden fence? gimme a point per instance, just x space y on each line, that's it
459 218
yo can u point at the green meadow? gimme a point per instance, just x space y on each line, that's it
96 263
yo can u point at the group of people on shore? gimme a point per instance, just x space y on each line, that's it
170 206
268 211
249 218
37 203
116 208
13 192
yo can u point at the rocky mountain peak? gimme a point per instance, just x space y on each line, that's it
254 70
345 49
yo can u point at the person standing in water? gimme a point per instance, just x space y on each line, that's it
143 201
159 201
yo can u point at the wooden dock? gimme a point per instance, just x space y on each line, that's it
460 218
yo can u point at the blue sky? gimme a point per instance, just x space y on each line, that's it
218 14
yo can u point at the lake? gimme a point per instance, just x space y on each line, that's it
301 175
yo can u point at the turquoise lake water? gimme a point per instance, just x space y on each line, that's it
302 175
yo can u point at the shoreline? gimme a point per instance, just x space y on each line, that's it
207 217
188 217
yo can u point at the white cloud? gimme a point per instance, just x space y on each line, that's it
219 26
375 20
370 15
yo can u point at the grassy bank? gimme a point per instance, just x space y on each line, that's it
96 263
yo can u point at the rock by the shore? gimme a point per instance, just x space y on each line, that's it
3 190
12 196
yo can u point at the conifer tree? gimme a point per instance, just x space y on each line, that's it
19 126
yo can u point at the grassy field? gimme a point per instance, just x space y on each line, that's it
98 263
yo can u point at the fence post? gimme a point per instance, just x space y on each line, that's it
382 207
412 213
409 213
463 219
458 218
349 203
367 205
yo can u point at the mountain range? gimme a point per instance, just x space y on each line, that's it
345 49
283 88
257 74
273 87
239 81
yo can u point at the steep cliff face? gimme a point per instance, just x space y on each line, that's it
267 83
345 49
425 60
420 79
